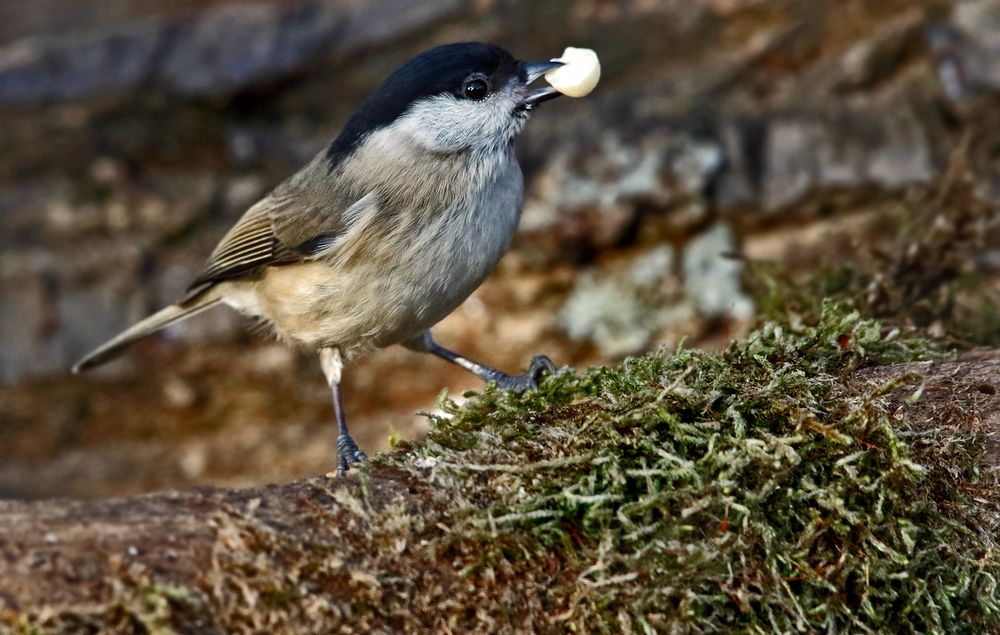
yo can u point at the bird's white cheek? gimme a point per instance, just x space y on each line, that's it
446 124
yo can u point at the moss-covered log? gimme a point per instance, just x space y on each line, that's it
796 481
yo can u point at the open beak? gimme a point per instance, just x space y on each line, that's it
531 71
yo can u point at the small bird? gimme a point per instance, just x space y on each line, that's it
388 229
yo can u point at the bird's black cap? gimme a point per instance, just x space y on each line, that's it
440 70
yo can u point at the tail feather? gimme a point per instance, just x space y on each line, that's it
159 320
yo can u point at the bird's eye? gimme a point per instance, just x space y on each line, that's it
476 89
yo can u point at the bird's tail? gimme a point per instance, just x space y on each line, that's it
159 320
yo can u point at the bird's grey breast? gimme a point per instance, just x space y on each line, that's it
470 237
454 248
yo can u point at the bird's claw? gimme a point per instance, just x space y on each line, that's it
348 454
540 366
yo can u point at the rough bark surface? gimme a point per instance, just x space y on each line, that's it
70 552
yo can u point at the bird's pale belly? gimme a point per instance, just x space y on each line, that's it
387 297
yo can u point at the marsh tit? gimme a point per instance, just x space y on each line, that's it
388 229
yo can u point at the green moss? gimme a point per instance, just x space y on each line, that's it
754 489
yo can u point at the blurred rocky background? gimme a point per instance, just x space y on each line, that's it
726 136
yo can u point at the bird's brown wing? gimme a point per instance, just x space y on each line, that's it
287 226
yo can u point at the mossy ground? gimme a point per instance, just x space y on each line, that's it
757 489
764 488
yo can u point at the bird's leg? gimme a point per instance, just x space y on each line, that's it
540 365
348 452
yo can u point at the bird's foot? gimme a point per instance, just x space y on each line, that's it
540 366
348 454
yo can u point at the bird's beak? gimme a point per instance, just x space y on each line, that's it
531 71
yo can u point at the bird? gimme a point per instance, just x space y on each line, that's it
387 230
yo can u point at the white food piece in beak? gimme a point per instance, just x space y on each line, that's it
579 73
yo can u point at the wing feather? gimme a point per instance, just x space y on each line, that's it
245 248
289 225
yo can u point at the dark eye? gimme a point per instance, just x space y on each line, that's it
476 89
